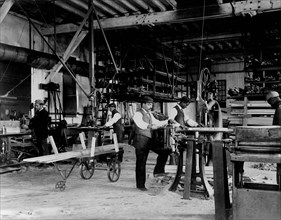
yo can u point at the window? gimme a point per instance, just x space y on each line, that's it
221 96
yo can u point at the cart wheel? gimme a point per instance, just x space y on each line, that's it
60 185
113 170
87 169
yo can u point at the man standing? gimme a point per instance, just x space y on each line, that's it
180 117
274 100
39 123
116 122
145 123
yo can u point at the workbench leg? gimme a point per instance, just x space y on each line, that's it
177 179
188 169
207 187
221 191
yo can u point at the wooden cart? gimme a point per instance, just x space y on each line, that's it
87 159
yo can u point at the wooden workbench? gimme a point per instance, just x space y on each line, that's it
222 201
8 139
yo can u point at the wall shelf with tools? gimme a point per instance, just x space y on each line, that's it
262 74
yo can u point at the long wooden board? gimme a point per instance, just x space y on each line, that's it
74 154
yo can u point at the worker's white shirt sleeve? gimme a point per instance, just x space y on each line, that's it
157 122
189 121
172 115
139 122
113 120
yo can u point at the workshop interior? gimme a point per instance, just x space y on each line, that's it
80 56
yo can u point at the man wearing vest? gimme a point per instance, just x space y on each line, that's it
274 100
178 115
145 123
116 122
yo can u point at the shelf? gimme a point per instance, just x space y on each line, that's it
262 68
261 82
248 95
260 104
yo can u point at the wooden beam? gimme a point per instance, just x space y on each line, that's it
179 16
60 29
5 9
191 14
76 40
181 80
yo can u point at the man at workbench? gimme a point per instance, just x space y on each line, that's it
145 124
116 122
273 98
179 116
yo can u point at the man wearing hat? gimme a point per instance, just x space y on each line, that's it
178 115
116 122
274 100
40 123
145 123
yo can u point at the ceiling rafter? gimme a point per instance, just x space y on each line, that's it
70 8
159 5
104 7
145 6
86 7
130 6
116 6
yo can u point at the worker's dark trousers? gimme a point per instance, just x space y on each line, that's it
142 146
120 135
42 146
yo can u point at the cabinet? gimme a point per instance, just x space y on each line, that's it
252 200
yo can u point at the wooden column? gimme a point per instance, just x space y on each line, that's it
188 169
222 202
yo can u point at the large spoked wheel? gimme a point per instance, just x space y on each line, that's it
114 170
87 169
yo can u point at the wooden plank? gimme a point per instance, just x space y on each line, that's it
256 157
262 104
53 144
260 143
93 147
110 148
263 121
82 140
253 111
116 147
256 133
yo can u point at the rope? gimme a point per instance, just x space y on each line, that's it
202 35
16 85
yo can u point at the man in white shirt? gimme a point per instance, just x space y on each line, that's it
143 142
180 117
116 122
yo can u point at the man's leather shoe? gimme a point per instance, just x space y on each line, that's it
142 188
